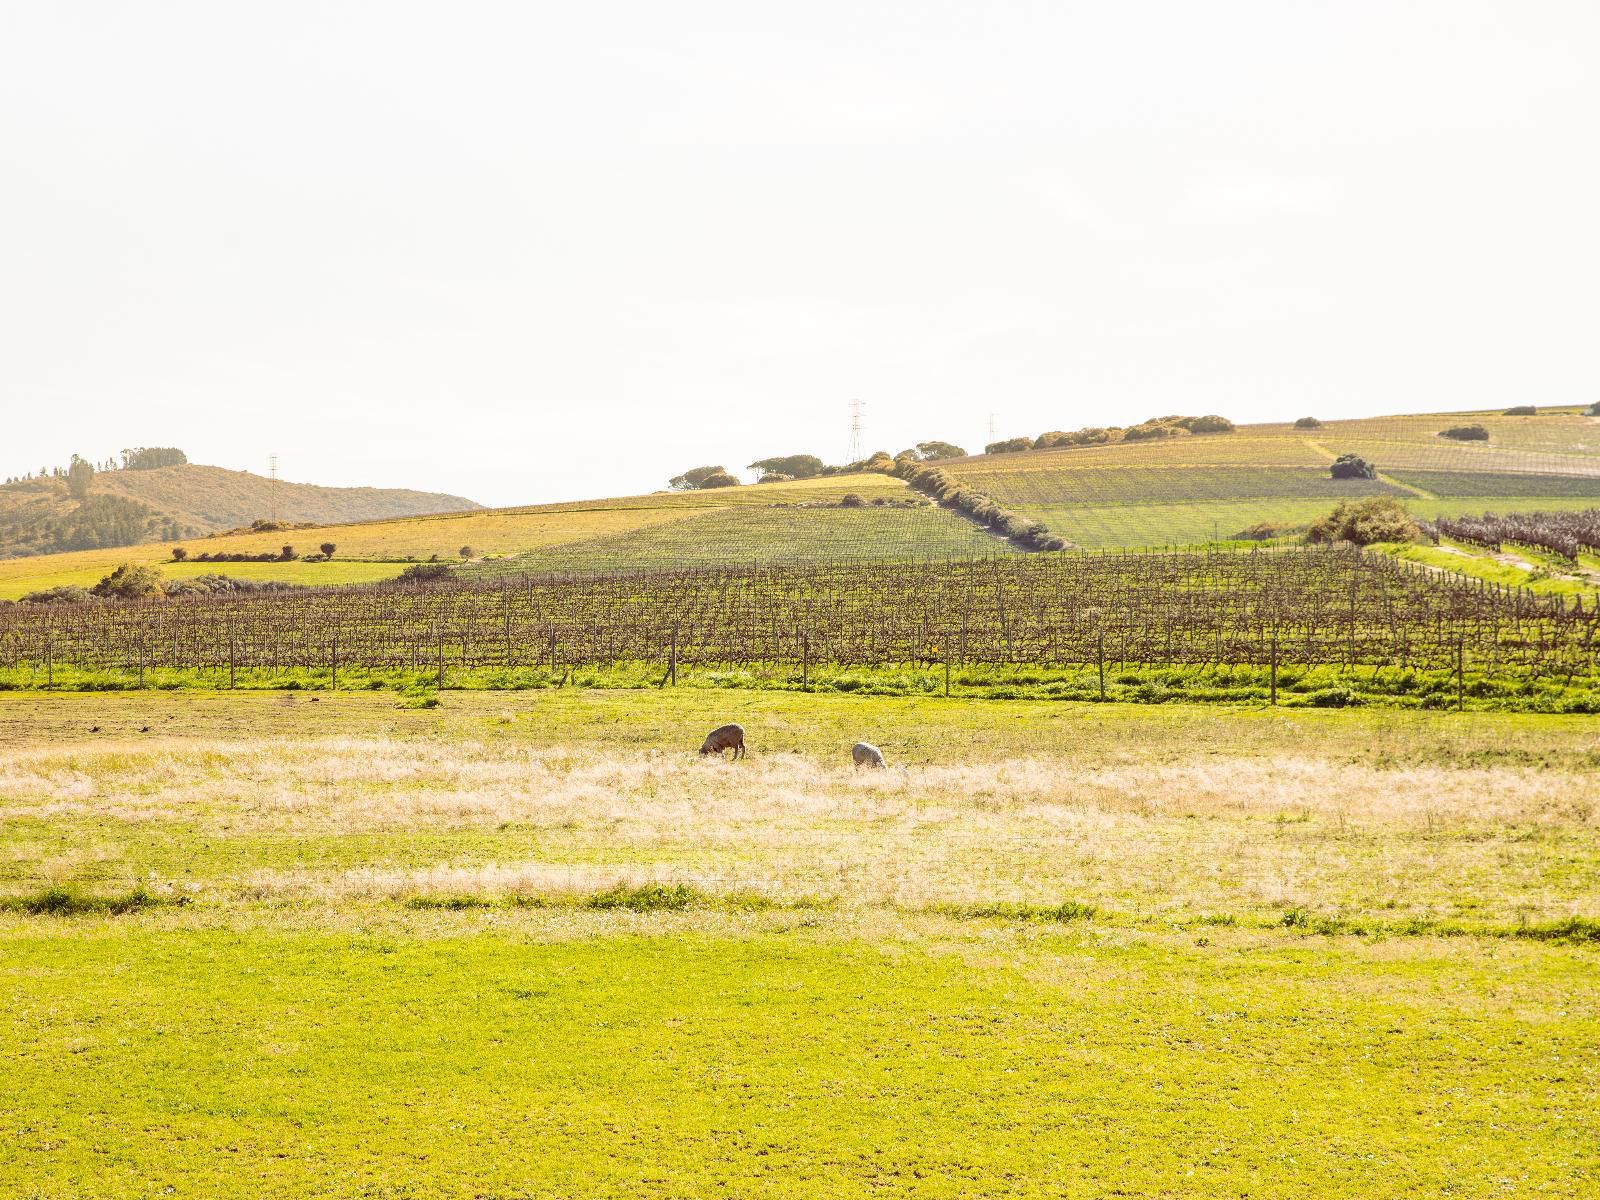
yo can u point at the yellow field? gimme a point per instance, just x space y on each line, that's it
375 549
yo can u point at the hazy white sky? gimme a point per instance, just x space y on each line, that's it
530 251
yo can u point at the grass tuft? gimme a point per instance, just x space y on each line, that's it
61 901
1067 910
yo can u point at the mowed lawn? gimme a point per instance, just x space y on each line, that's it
530 946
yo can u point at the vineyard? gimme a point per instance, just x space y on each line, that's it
1330 608
1568 534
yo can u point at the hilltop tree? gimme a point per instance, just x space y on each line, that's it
1352 466
795 466
700 478
148 458
1009 446
932 451
79 476
327 549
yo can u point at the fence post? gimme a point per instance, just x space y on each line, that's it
439 681
1274 676
947 675
49 660
232 657
1100 660
805 661
334 659
1460 654
672 663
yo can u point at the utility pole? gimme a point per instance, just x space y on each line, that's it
272 487
855 454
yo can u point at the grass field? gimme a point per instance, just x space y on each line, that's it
530 946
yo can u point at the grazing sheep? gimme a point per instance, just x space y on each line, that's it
724 737
865 754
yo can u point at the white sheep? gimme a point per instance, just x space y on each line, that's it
865 754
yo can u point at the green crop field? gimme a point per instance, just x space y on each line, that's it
257 946
1520 487
1172 484
748 534
1104 526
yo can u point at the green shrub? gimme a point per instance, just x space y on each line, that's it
67 593
129 582
1466 433
1365 521
652 897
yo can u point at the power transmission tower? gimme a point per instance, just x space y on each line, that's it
855 431
272 487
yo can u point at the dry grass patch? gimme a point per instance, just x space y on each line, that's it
335 819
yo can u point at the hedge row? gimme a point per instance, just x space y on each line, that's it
951 492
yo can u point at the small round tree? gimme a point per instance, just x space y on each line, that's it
466 553
327 549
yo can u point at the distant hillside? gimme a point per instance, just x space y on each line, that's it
125 507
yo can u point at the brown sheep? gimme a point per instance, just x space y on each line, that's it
724 737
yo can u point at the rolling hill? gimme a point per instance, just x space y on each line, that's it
1214 486
1177 491
126 507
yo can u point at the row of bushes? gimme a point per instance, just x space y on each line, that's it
1095 435
286 554
128 582
949 491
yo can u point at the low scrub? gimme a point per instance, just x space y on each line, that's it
1363 522
61 901
1067 910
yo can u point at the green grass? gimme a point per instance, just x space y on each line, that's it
785 1062
515 946
1478 563
302 573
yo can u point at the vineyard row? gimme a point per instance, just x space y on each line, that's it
1329 605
